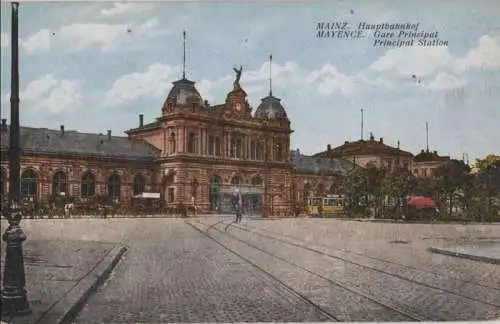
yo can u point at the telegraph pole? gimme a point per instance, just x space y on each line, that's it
14 297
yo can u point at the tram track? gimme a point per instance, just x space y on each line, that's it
492 300
406 296
273 235
261 270
342 289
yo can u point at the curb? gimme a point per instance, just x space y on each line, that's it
464 255
73 301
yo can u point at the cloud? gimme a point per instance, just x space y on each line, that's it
38 42
155 82
329 80
107 37
424 61
486 55
420 61
52 95
121 8
4 40
446 81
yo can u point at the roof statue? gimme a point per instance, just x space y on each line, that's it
236 83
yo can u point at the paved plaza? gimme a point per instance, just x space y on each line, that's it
208 269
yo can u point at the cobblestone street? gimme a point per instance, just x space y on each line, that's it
209 269
172 273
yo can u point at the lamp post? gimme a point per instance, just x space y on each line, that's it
14 297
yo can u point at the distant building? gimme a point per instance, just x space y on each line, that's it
426 162
370 153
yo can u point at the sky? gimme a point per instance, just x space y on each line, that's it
96 66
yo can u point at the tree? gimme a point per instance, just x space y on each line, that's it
396 186
355 188
488 184
449 180
489 160
374 194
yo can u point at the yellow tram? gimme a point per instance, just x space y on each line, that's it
331 204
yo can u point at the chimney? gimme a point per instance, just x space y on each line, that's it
62 130
381 140
328 147
4 124
109 134
141 120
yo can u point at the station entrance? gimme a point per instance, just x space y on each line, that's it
223 197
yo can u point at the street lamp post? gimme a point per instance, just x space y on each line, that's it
14 297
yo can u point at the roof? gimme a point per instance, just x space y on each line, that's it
304 163
427 156
184 92
145 127
363 147
43 140
271 108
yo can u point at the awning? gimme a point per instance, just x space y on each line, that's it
422 202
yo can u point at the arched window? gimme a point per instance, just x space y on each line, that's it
236 180
278 154
215 196
211 145
217 147
307 191
232 148
260 151
88 185
28 184
253 150
139 184
256 181
236 147
239 148
191 143
114 186
59 183
171 142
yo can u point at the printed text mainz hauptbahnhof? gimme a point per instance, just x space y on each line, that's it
384 34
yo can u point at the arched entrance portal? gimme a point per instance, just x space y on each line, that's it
223 196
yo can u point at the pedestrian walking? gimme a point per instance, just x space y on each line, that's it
237 208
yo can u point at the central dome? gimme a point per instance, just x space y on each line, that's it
184 92
270 108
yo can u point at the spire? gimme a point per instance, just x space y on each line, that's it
270 75
362 123
427 135
184 55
